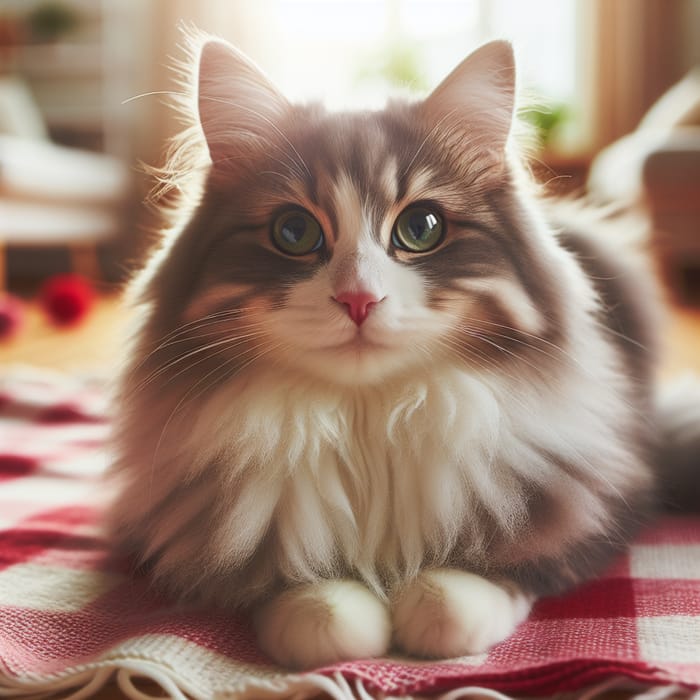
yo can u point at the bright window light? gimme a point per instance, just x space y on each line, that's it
351 53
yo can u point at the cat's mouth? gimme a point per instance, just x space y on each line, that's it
359 358
359 342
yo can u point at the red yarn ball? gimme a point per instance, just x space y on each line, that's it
11 315
67 299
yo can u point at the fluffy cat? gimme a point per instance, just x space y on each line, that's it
378 397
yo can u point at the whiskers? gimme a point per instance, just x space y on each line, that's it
199 356
559 360
221 337
219 375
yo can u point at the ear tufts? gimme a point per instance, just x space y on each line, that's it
237 103
479 95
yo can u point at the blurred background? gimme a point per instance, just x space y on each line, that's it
612 88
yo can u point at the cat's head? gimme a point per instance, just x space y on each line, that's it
354 246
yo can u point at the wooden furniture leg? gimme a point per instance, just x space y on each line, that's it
3 267
85 261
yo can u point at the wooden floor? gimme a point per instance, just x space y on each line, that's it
96 344
681 349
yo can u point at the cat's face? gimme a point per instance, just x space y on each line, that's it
355 246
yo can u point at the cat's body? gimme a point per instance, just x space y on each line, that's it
361 441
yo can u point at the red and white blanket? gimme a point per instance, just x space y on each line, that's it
73 617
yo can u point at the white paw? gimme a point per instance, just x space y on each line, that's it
446 613
318 624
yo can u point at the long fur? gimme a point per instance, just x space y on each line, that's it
494 414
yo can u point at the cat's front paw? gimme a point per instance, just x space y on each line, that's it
446 613
318 624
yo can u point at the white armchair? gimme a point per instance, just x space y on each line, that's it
52 195
658 166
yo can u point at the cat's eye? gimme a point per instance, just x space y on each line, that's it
418 229
296 232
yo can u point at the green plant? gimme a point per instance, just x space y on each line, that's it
546 120
50 21
398 64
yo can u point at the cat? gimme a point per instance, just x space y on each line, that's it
380 397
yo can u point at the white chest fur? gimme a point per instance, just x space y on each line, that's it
380 480
358 476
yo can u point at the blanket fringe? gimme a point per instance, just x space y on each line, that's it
87 683
127 672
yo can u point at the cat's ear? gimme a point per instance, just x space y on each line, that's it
237 104
478 95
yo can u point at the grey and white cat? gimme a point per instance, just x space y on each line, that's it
377 397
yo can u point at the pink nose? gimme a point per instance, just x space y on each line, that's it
358 304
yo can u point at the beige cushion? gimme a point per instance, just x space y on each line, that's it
19 114
31 224
678 107
44 172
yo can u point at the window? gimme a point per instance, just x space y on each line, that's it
350 52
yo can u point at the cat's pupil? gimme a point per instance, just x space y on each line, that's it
421 224
294 229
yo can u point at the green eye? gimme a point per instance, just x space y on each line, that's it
296 232
418 229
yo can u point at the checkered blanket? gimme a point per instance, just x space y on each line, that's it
71 616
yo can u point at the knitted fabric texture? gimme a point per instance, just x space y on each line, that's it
72 616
